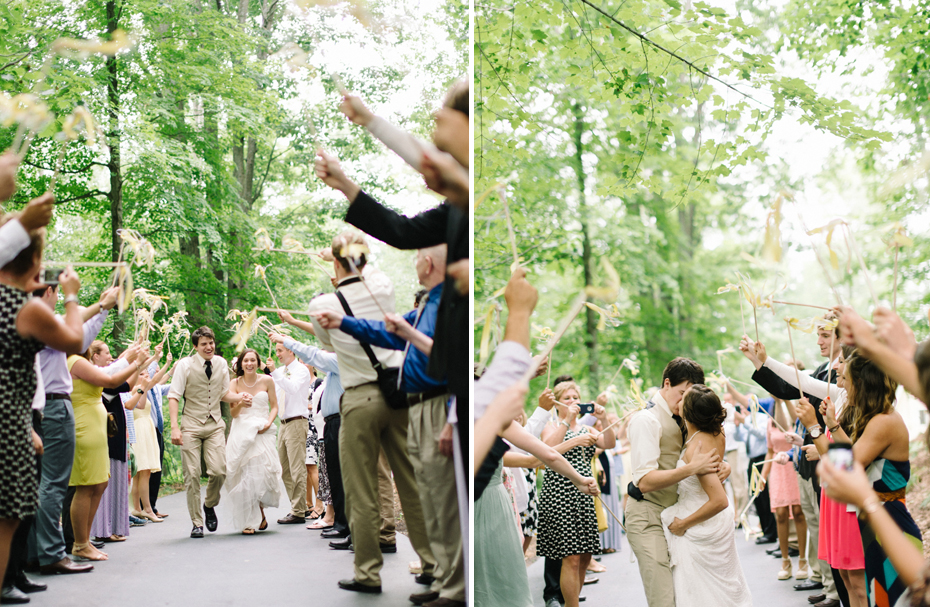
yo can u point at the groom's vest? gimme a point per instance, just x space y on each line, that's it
669 450
202 396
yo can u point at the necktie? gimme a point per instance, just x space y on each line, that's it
681 426
400 376
208 368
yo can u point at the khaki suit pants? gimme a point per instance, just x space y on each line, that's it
292 451
820 570
368 426
647 539
210 438
386 501
436 477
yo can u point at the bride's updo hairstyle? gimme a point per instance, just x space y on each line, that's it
701 407
237 366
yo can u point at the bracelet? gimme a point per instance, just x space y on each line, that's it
566 424
71 298
833 429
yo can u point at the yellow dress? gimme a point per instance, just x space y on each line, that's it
146 447
91 456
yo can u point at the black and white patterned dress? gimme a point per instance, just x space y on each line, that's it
567 520
19 483
529 518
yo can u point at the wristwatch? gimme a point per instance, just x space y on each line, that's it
816 431
140 391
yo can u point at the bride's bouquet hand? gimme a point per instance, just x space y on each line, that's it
677 527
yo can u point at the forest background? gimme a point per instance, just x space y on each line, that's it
657 136
208 135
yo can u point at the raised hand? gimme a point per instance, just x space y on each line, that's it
748 348
806 413
276 338
9 164
108 298
444 175
329 171
69 282
38 212
285 317
828 410
520 295
269 364
547 399
355 110
894 332
854 330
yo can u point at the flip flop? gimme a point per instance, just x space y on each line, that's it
264 525
248 531
317 524
115 538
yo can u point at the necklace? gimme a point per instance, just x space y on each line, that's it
253 383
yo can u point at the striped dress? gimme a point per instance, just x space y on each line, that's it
883 585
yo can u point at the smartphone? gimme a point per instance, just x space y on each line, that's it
841 456
586 408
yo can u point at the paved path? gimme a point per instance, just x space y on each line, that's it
621 586
285 565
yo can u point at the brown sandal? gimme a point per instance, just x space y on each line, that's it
248 531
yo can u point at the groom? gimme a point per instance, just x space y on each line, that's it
656 438
202 380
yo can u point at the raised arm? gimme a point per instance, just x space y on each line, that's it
83 369
37 321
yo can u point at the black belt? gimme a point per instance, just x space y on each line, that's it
291 419
421 397
53 396
329 417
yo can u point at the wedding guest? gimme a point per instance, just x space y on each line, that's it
784 493
156 396
294 381
370 425
609 485
16 228
567 520
146 450
91 470
330 400
428 413
25 325
315 475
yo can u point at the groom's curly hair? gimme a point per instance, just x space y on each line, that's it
701 407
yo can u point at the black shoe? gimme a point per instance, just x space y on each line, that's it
334 534
808 585
357 587
98 544
11 595
766 540
388 548
772 551
210 518
423 597
816 598
343 544
793 551
28 586
197 532
777 554
425 579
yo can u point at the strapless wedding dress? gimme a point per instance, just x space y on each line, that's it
253 470
705 565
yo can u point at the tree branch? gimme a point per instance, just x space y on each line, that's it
83 196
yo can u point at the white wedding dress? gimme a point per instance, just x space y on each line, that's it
253 470
705 565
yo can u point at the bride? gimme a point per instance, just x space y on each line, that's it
699 527
253 470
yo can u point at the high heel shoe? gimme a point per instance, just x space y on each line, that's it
77 558
785 573
803 571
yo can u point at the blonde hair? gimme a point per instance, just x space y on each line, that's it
559 389
96 347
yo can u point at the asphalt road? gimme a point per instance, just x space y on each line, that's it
285 565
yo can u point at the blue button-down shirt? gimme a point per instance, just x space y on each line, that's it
415 377
324 361
755 437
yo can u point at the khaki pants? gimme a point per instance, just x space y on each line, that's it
436 477
647 539
820 570
211 438
368 426
738 483
292 451
386 500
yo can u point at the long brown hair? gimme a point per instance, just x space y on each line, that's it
870 392
237 366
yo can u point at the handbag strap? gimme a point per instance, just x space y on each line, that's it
367 348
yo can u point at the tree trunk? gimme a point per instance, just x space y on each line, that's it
113 141
590 340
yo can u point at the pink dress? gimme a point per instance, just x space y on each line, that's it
840 538
783 480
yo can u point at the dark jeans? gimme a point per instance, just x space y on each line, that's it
551 575
155 479
67 530
19 548
334 471
46 542
763 506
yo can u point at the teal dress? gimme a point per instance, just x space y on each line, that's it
500 571
882 583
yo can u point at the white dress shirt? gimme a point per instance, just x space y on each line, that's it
645 432
13 239
354 366
293 383
511 360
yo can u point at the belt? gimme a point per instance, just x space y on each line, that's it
290 419
329 417
53 396
422 397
